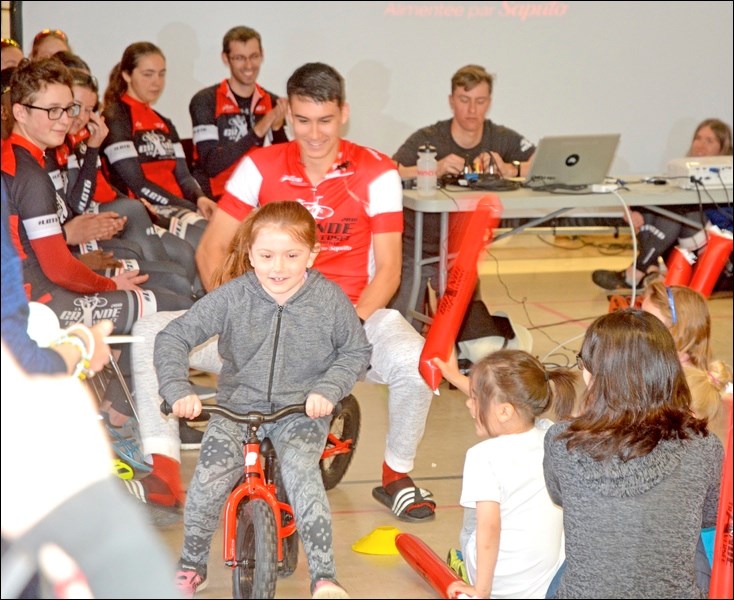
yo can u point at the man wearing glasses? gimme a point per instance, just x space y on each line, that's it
55 112
231 117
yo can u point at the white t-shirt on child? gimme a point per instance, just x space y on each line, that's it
509 470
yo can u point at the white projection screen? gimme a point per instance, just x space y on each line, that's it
647 70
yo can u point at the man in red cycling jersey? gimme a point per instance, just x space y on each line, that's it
355 195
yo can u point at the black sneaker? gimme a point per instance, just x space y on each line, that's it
190 437
610 280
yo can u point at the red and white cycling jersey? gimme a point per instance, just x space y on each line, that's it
361 196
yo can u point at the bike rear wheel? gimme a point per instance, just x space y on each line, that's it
344 426
257 552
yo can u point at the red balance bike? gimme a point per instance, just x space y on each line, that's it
260 537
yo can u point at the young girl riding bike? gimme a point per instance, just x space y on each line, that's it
286 335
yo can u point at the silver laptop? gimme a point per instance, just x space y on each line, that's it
572 161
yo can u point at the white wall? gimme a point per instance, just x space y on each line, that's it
648 70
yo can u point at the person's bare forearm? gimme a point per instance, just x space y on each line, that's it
377 294
214 245
206 261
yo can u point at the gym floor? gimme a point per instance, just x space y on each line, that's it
543 284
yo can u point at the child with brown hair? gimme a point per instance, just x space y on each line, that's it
636 473
512 541
685 313
287 335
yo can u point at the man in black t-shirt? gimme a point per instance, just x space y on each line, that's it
467 139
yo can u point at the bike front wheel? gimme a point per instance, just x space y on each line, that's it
256 572
344 426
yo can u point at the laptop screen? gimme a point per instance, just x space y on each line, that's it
572 161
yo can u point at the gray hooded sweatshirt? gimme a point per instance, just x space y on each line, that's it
272 355
632 527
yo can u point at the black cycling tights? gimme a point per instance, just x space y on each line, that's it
658 235
122 307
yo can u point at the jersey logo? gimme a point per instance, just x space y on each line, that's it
156 145
318 212
291 179
237 128
91 309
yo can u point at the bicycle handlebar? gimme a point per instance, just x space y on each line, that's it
253 417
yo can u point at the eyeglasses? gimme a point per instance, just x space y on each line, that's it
55 112
580 363
240 58
8 42
47 32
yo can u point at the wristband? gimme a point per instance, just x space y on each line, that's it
82 370
82 331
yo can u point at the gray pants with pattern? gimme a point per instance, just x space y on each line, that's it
298 442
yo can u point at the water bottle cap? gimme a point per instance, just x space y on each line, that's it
427 148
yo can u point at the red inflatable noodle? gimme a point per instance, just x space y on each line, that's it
426 563
722 585
680 267
459 288
712 261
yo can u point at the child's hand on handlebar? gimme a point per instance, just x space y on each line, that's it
188 407
318 406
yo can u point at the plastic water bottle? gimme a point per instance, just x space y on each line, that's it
427 167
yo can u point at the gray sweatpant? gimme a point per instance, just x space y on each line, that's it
159 433
298 442
396 349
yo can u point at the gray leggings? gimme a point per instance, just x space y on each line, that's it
298 442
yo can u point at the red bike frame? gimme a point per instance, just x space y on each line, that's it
254 486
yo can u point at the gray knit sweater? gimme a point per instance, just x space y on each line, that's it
272 355
632 527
